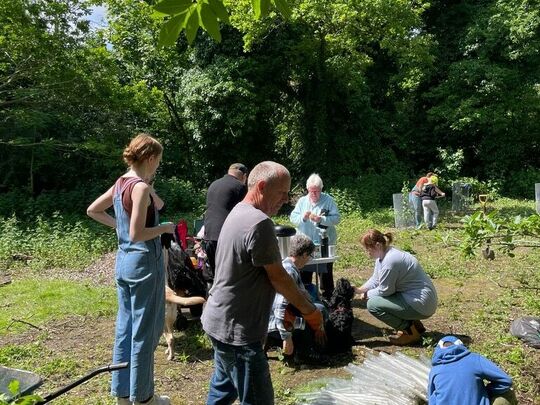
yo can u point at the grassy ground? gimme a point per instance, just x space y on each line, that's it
58 321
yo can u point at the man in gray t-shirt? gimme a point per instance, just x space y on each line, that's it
248 273
247 245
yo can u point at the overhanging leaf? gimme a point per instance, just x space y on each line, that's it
192 23
261 8
171 29
219 9
209 21
158 15
173 7
283 7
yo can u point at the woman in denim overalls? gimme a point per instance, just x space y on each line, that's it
140 276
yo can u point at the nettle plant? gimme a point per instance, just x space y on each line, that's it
482 230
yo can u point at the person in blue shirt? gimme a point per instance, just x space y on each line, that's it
457 377
313 212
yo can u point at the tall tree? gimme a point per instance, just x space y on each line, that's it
488 97
62 106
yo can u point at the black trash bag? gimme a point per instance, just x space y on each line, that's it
528 330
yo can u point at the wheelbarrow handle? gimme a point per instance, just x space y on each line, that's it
110 367
117 366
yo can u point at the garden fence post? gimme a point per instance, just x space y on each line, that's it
537 195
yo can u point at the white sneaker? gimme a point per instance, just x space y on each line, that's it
123 401
156 400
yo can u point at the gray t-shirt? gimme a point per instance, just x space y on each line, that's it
240 300
400 272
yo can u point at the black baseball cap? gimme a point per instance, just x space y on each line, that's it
239 166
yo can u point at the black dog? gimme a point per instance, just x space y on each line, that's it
182 275
339 324
186 285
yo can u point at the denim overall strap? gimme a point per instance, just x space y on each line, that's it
140 280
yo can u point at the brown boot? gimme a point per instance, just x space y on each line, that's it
419 326
406 337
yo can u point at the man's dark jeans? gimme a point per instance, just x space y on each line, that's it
240 372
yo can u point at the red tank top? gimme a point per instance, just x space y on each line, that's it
127 202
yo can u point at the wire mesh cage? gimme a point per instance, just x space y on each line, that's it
403 211
461 196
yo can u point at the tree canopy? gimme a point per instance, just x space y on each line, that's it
368 93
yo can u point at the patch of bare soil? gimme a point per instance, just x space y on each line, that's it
99 273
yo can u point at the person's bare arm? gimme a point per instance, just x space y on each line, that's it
284 284
138 232
97 210
361 292
288 346
439 192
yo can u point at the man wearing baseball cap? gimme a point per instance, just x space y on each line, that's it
223 194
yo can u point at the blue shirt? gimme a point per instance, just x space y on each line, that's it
308 227
457 378
277 315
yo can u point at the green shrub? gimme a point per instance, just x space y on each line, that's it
23 204
367 192
520 184
55 241
180 195
490 187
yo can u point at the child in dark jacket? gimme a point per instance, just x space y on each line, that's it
458 375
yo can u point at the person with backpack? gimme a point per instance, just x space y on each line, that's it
429 193
416 200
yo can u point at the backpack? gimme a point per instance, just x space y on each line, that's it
428 192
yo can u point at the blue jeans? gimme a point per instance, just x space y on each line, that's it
416 202
393 311
139 323
240 372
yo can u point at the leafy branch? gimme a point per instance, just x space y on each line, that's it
189 15
487 230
